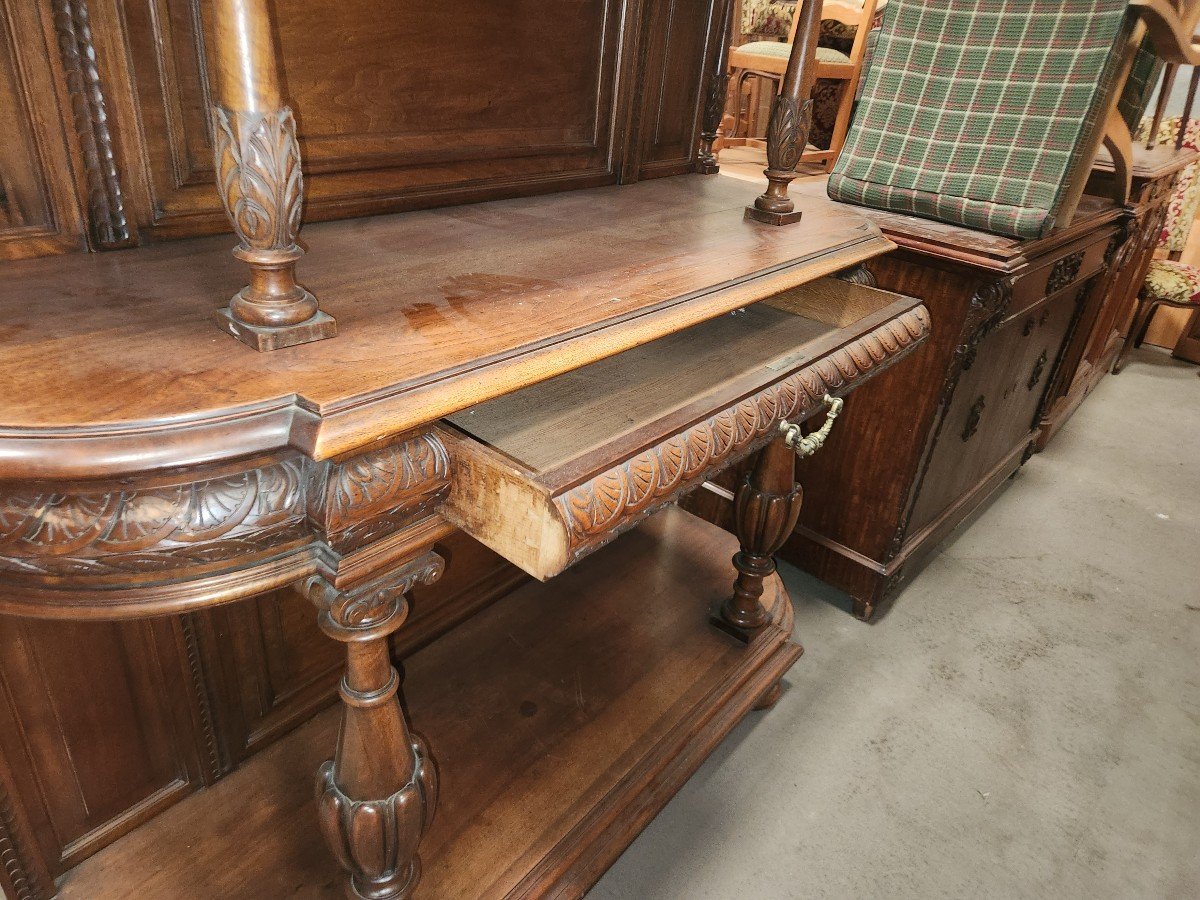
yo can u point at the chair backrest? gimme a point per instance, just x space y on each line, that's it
847 12
984 113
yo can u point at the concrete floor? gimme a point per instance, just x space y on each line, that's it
1025 722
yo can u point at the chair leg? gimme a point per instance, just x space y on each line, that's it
1137 331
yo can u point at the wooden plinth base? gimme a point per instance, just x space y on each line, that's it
770 218
562 720
319 327
707 168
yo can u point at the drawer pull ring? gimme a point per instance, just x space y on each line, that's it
810 444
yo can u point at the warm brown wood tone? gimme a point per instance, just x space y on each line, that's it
717 90
23 876
791 118
98 725
260 184
917 450
586 738
765 510
94 733
1187 347
201 473
547 474
550 284
1099 337
39 211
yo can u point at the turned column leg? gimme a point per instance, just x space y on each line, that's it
791 119
257 162
765 513
377 796
718 93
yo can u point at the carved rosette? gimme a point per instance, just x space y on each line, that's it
376 840
1064 272
618 499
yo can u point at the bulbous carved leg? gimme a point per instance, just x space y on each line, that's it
377 796
765 513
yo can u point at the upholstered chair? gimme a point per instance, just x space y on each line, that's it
986 115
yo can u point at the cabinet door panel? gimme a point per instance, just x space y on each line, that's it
97 727
38 209
397 105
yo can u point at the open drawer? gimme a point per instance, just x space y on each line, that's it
551 472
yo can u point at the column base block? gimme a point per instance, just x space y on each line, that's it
319 327
770 218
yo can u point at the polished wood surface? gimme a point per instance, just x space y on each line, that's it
545 285
593 708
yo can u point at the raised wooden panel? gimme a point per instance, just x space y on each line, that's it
398 105
96 723
38 209
678 43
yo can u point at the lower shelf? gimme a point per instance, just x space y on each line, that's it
562 719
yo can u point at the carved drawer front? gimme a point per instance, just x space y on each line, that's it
547 474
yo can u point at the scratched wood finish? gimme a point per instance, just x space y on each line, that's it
548 284
593 710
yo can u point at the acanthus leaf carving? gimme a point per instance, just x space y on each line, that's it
616 500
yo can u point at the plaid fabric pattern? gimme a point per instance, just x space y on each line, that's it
1143 77
972 111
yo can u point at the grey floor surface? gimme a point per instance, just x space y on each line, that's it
1025 721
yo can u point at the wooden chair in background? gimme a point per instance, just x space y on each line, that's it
767 60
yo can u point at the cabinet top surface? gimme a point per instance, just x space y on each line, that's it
978 249
113 362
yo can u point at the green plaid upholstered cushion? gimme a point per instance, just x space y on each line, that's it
1143 77
972 110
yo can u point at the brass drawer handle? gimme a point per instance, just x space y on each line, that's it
810 444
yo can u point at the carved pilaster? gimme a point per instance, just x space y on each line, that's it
259 179
765 513
107 220
718 91
378 794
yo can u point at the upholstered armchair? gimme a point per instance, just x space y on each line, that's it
989 116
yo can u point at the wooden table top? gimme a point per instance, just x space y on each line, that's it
112 362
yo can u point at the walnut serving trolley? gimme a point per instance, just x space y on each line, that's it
545 374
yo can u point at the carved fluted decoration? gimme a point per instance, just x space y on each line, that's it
377 796
718 89
791 119
765 513
257 160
